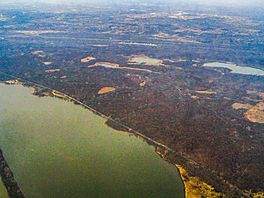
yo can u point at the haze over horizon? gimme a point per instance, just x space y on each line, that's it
233 3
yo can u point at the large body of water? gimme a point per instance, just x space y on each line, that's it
58 149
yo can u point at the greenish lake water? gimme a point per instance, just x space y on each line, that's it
60 150
236 69
3 192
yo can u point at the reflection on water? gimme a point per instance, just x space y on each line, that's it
58 149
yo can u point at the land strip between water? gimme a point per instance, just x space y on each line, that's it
8 179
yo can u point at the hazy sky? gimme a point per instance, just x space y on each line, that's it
251 3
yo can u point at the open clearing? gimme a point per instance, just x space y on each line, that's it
117 66
105 90
87 59
145 60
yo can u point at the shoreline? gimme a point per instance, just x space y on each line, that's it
62 95
8 179
171 156
31 89
109 121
